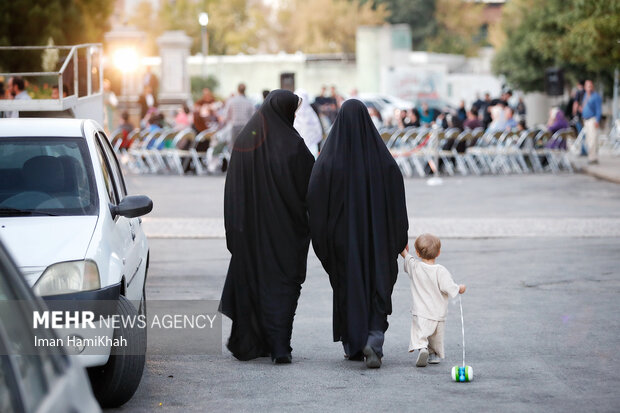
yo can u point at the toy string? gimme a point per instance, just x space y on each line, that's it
462 328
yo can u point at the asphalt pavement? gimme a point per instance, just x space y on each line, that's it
541 309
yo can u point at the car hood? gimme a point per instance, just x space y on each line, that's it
41 241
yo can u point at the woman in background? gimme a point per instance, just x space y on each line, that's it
308 124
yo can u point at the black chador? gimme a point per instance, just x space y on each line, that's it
358 221
267 231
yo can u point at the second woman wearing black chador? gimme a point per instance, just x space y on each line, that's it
358 221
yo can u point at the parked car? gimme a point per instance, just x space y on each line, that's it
75 233
385 104
438 105
34 379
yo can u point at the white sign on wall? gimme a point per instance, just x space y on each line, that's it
414 84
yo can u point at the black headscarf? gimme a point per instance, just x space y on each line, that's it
267 231
358 222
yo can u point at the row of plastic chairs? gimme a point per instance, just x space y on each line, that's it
169 151
610 143
422 151
417 150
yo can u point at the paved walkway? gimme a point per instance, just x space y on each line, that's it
442 227
608 169
539 254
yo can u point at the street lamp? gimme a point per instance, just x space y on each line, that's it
203 20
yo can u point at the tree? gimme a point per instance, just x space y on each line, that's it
418 14
251 26
443 26
145 19
325 26
34 22
579 36
458 23
235 26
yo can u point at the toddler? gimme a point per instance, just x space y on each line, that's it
431 286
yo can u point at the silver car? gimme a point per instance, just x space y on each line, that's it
34 379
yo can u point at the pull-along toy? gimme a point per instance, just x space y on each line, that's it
462 373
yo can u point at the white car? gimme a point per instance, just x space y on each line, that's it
385 104
75 234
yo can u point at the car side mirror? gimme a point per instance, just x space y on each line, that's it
132 206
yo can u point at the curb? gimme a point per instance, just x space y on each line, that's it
600 173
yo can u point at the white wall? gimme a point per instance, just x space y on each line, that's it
260 72
537 108
465 86
383 64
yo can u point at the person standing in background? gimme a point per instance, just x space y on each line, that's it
110 102
150 80
485 111
321 99
238 111
591 109
201 107
308 124
521 108
462 112
147 101
265 93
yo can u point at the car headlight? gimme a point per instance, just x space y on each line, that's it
68 277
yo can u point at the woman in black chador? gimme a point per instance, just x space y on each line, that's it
358 221
267 231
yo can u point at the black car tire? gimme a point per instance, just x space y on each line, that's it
115 382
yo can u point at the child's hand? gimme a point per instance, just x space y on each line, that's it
405 251
462 288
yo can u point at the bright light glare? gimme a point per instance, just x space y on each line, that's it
126 59
203 19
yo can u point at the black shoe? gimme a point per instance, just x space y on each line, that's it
287 359
373 361
355 357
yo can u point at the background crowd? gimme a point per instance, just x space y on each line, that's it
315 116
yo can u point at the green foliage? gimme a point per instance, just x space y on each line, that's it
251 26
458 27
418 14
580 36
442 26
198 83
324 26
34 22
235 26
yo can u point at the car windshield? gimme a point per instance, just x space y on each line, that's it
46 176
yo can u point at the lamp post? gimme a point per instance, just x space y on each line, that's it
203 20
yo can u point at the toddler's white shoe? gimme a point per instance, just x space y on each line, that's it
422 358
433 359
